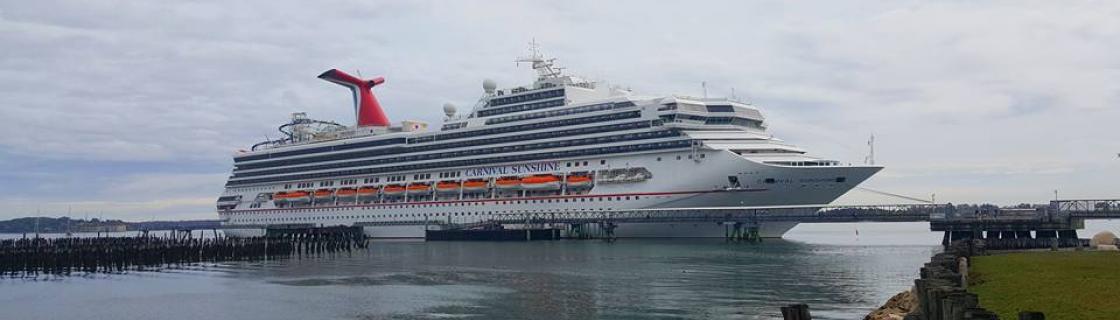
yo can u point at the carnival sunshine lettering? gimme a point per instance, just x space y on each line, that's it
515 169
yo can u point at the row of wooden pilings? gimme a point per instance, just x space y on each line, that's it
942 286
31 257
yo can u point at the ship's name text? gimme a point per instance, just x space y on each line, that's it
514 169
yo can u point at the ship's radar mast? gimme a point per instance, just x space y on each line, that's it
544 67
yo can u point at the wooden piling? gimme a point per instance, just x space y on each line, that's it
796 312
30 257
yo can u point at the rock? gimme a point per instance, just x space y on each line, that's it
896 308
1102 238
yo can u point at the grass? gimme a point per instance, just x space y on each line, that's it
1063 285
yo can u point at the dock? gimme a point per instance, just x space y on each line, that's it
31 257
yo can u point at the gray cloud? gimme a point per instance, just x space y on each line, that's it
1022 94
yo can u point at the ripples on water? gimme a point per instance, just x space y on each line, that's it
572 279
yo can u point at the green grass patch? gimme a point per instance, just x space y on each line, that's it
1063 285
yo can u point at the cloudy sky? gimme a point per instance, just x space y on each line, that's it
132 110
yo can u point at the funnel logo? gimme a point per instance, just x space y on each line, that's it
366 108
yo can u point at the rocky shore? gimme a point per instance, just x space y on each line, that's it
896 308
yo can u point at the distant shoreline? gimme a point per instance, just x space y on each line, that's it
63 225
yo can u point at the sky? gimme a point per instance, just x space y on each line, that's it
133 110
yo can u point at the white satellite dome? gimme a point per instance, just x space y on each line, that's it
489 85
449 109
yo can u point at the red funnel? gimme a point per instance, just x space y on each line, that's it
366 107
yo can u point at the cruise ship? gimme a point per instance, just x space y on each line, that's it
560 145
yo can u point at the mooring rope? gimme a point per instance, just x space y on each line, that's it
895 195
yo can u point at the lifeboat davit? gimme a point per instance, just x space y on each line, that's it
475 186
448 187
367 194
579 181
393 190
508 183
299 197
541 182
322 195
346 194
419 188
280 198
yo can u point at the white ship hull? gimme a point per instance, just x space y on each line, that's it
674 184
523 146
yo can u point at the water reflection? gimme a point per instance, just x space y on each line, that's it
680 278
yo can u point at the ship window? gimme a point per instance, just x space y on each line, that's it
841 179
721 108
505 158
398 150
769 180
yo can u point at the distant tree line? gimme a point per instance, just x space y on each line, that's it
51 225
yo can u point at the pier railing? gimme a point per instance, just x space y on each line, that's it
1095 208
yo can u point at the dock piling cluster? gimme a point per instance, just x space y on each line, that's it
31 257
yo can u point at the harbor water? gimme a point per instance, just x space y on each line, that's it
839 273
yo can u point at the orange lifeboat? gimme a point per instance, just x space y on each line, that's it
508 183
579 181
298 197
322 195
393 190
475 186
541 182
346 194
448 186
419 188
367 193
280 198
